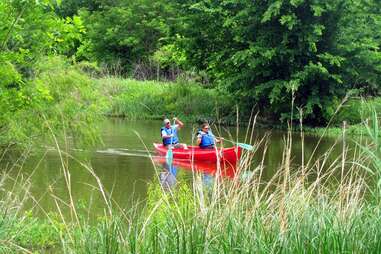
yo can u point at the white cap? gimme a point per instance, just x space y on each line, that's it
166 121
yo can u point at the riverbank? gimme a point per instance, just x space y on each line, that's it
192 102
70 99
355 130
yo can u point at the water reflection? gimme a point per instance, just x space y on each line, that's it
207 180
208 169
167 176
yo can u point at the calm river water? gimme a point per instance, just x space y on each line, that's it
122 164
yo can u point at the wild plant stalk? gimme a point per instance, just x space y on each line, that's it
14 191
302 140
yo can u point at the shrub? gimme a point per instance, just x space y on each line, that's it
60 98
357 110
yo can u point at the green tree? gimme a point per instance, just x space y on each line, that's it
267 52
262 51
128 32
70 8
359 42
30 36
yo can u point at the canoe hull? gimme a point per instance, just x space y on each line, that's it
195 153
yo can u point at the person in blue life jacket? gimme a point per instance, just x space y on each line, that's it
205 137
169 133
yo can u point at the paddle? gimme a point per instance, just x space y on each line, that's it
242 145
169 155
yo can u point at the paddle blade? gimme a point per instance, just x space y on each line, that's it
169 156
246 146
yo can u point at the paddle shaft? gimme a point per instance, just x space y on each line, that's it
242 145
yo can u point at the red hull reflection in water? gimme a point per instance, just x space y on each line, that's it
227 169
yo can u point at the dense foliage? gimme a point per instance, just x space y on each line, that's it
39 90
263 53
266 52
277 53
271 54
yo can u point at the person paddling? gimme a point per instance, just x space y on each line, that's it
169 133
205 137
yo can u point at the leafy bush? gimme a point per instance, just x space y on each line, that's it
60 99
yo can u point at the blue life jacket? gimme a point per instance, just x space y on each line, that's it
169 131
207 139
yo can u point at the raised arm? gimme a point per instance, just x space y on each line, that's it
177 121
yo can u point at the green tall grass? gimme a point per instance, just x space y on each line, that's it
311 208
20 231
152 100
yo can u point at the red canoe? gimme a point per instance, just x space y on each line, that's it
195 153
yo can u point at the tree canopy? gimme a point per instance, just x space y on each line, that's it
264 53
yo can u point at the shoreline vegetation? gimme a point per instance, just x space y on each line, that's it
309 208
154 100
70 99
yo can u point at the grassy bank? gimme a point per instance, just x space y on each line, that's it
135 99
154 100
354 115
311 208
